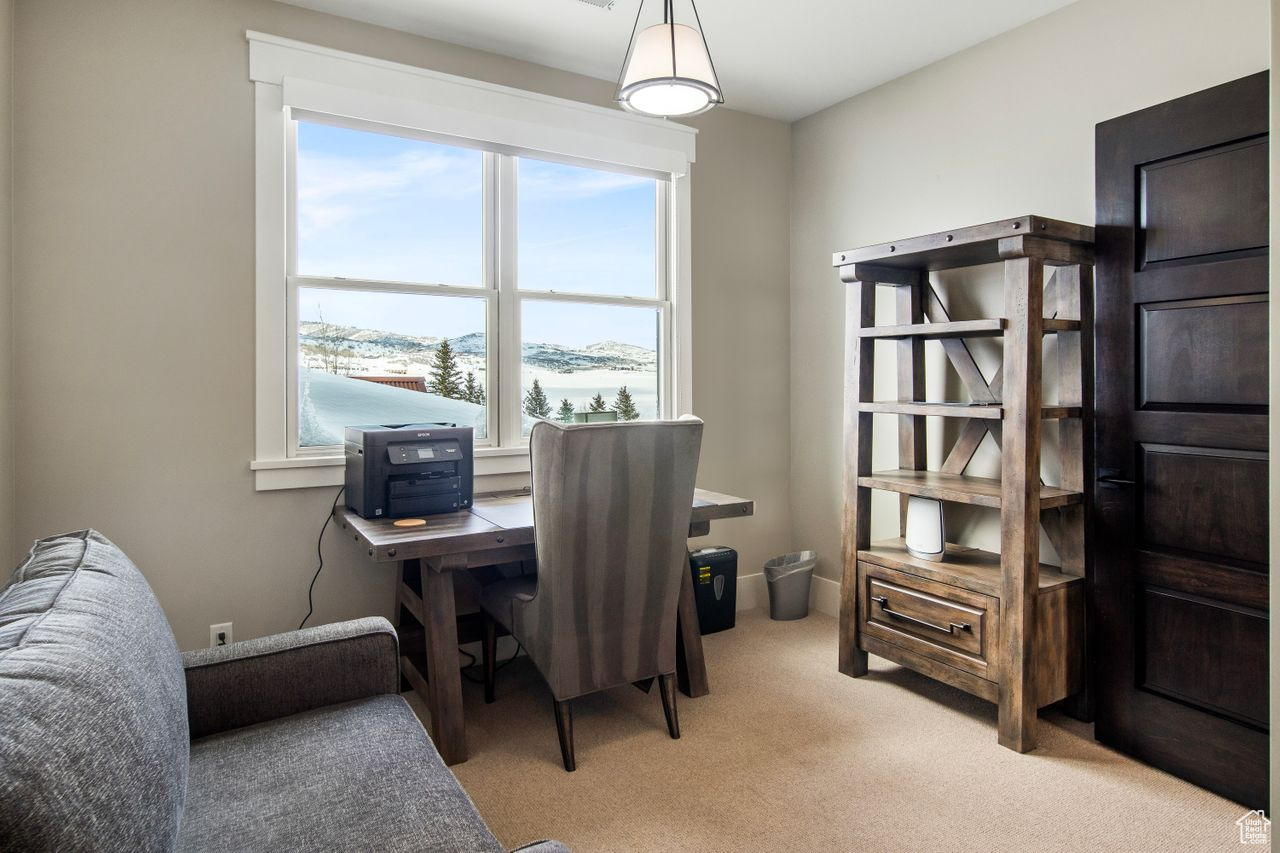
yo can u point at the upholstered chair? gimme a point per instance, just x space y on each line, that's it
611 506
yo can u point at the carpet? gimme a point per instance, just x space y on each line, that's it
787 754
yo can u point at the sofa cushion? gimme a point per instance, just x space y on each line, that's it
93 738
357 776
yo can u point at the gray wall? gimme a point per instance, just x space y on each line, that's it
1000 130
134 303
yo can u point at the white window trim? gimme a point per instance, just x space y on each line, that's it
289 75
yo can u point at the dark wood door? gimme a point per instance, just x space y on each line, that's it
1180 495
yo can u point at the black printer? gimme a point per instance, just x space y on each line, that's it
407 470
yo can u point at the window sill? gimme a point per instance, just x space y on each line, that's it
321 471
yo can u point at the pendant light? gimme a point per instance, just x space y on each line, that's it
668 69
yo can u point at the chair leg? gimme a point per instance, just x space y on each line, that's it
564 727
490 646
667 688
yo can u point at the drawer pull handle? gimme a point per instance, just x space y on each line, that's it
954 626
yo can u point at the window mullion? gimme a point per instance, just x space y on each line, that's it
509 385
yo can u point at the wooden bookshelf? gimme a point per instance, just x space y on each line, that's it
1002 626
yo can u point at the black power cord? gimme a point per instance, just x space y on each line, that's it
497 669
319 558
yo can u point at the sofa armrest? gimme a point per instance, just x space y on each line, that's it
257 680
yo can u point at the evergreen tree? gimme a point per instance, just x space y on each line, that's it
472 391
565 415
598 404
536 404
446 380
625 406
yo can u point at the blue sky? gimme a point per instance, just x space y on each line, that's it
381 207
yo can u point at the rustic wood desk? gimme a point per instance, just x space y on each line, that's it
497 529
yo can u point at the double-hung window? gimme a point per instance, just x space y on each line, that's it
433 259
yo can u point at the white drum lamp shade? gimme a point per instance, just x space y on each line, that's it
668 71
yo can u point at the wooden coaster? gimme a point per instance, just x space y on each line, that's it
409 522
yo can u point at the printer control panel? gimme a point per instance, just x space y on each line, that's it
416 452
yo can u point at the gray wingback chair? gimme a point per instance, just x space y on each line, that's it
611 507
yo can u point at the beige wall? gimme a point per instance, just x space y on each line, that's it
6 278
134 303
1002 129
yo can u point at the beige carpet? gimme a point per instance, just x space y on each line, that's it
787 754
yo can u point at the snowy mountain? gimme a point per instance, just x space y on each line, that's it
391 347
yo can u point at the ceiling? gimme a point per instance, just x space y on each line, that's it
781 60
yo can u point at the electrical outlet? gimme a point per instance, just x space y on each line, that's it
220 634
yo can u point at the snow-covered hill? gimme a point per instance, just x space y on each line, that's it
370 347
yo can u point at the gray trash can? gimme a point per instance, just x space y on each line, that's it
788 578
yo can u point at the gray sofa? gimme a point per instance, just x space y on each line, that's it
112 740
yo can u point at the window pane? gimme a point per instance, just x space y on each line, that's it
575 352
586 230
380 207
388 358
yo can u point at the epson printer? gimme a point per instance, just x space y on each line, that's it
408 470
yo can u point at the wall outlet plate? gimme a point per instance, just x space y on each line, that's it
220 634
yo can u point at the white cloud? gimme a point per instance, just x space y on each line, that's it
542 181
334 189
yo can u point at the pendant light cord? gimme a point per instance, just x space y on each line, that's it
707 48
631 46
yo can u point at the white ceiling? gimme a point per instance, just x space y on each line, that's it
782 60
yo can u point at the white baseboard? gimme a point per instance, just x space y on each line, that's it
824 596
753 594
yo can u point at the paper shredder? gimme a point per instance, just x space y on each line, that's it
715 586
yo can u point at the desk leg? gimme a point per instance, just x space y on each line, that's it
444 680
691 666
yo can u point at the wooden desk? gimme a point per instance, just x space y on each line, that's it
497 529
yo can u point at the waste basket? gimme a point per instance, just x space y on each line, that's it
788 578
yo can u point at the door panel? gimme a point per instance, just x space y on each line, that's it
1179 576
1175 222
1226 686
1175 514
1203 352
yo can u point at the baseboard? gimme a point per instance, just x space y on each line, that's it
753 594
824 596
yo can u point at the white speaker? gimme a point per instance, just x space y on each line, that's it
926 530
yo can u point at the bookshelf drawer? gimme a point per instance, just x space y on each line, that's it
952 625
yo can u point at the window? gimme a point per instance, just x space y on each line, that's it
437 265
394 290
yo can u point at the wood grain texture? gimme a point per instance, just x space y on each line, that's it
910 369
935 669
1165 615
494 526
966 445
962 247
1045 251
979 491
960 410
856 517
1021 504
954 626
444 679
975 384
968 568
